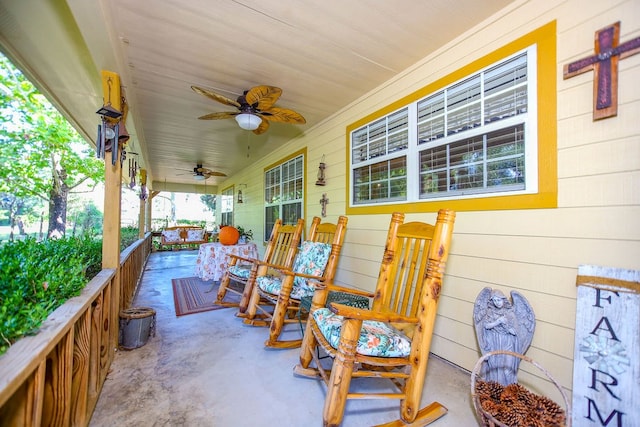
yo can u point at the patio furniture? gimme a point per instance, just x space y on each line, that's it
213 258
339 297
281 250
392 339
183 235
317 259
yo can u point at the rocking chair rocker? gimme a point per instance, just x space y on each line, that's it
280 251
392 339
276 296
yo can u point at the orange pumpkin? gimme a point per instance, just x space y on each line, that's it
228 235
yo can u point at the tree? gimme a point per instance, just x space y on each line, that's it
18 208
87 220
41 154
209 200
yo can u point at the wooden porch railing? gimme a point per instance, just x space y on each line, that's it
55 377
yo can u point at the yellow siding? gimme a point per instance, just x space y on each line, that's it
534 251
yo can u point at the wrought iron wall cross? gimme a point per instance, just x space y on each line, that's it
605 65
323 202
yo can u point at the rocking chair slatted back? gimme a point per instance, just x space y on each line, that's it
332 234
393 339
267 308
404 269
280 251
322 232
283 243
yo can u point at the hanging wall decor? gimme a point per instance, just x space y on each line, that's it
321 167
324 202
604 63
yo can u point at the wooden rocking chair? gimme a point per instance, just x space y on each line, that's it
392 339
316 260
281 250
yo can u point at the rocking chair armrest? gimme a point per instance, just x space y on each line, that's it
317 279
282 268
337 288
241 258
364 314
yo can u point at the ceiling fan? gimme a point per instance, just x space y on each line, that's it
255 108
200 173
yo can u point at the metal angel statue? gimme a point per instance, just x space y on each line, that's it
503 325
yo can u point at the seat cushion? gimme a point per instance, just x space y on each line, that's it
377 339
273 283
171 236
195 235
242 271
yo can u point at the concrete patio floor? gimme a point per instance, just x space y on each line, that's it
209 369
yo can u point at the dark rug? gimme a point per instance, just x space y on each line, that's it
192 295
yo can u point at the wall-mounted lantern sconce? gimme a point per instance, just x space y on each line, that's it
321 169
240 193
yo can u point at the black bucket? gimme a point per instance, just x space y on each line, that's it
136 324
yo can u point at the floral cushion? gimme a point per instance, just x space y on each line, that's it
311 259
242 271
272 285
171 235
195 235
377 339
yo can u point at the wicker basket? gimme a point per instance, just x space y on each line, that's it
487 419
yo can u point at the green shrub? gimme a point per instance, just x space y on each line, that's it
38 277
128 236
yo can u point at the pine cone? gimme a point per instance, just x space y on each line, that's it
490 407
554 415
489 390
516 406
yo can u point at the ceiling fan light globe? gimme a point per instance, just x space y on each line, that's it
199 177
248 121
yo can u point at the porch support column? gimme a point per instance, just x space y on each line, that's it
147 227
112 215
141 219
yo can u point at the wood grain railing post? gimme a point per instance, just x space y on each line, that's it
55 377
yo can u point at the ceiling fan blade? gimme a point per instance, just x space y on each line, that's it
215 96
214 173
282 115
218 116
264 96
264 125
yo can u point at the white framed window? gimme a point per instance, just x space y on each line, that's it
226 206
476 137
284 193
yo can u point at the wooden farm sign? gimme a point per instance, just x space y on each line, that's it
606 367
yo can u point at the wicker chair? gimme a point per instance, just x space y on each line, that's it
281 250
283 288
392 339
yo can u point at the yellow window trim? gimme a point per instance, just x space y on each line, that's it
303 152
547 196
